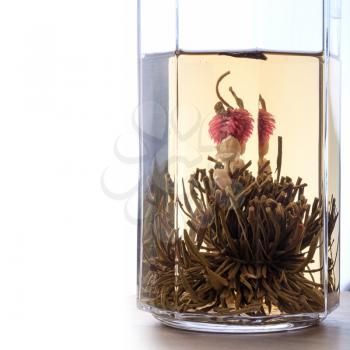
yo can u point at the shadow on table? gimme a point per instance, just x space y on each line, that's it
334 334
319 337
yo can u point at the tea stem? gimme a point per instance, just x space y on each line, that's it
218 92
239 101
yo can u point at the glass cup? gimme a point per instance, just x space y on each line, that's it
239 186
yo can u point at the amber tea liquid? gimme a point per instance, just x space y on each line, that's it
183 95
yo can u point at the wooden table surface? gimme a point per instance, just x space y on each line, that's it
143 332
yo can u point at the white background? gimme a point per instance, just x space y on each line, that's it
67 93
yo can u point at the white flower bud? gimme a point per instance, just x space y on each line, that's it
229 149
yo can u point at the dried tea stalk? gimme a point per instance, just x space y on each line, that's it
247 251
158 242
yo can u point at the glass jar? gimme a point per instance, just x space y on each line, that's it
239 174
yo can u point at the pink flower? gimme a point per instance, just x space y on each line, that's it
237 123
217 128
266 125
240 124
